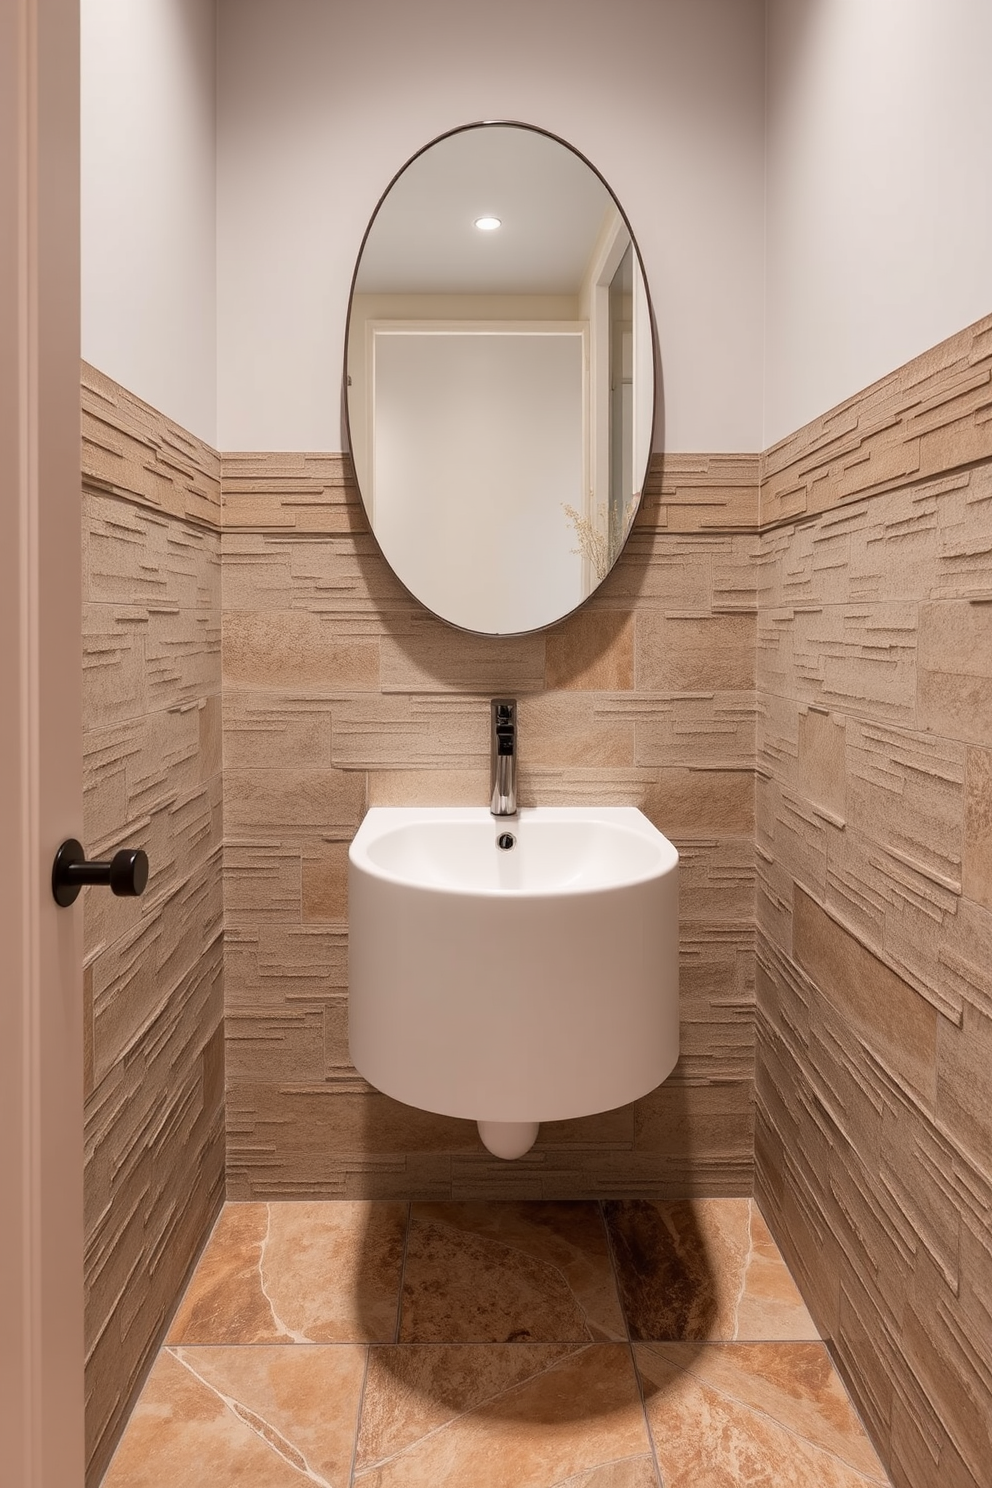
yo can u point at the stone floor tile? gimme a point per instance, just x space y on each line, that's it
243 1418
507 1272
703 1269
771 1415
502 1416
324 1272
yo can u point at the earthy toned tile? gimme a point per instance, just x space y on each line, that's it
976 880
569 728
701 802
692 492
889 1013
295 648
956 670
771 1415
694 653
268 1417
715 729
821 758
432 657
592 650
270 800
325 881
296 1273
508 1272
429 787
393 732
703 1269
261 881
964 1059
516 1416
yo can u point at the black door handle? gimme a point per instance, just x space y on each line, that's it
126 873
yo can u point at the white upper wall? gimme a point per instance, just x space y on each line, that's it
149 310
879 191
320 103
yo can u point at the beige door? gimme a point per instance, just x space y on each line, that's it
41 1054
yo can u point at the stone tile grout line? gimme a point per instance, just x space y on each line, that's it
630 1343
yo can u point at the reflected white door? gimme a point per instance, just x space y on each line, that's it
41 1055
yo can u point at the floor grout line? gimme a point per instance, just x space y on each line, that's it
630 1343
358 1417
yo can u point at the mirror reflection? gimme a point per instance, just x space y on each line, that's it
500 378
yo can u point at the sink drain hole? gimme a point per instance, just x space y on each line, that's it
506 840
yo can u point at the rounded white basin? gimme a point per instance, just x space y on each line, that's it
530 982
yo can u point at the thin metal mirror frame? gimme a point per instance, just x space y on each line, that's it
498 635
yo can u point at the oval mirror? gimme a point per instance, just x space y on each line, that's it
500 371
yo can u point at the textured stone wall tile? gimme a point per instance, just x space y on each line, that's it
693 492
295 492
261 726
268 964
976 878
708 728
686 801
711 1124
429 787
873 1043
325 881
572 728
295 648
262 881
420 734
925 419
964 1058
792 838
956 669
716 879
593 650
658 568
890 1015
269 801
280 1044
859 658
694 653
432 657
344 577
132 450
904 792
716 990
397 731
153 976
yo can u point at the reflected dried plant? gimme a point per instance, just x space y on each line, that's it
593 543
594 537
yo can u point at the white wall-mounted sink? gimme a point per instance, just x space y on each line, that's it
513 985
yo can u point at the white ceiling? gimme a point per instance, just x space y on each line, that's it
551 204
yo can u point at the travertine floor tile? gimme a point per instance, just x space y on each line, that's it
703 1269
297 1273
502 1416
509 1272
769 1415
243 1418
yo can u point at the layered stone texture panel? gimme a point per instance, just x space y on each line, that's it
874 802
341 692
153 966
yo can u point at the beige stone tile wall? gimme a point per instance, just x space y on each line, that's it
867 838
340 691
874 804
153 966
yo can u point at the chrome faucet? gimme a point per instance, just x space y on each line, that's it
503 757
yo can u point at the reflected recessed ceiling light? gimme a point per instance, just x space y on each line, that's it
487 223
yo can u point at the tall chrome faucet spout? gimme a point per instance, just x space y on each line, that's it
503 757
